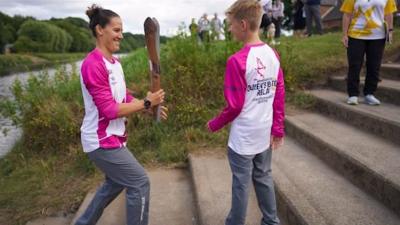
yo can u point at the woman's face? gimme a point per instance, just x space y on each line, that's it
111 34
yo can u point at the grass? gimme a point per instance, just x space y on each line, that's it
49 161
24 62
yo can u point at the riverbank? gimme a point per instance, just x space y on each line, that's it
13 63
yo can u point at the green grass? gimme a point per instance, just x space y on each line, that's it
24 62
48 172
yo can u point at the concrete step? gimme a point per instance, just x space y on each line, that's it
383 120
315 194
212 180
388 90
171 201
368 161
390 71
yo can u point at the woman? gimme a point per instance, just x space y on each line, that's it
103 133
367 25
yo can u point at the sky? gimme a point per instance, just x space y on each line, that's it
170 13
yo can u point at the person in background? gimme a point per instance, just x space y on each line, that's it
204 28
367 26
299 21
103 134
277 9
266 16
312 9
193 27
216 28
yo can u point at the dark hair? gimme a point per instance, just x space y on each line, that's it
99 16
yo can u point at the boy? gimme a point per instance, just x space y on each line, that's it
254 93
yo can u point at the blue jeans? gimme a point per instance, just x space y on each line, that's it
122 170
258 168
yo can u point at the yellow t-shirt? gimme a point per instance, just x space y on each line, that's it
368 17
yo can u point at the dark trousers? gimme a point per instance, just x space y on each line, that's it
313 14
373 50
277 22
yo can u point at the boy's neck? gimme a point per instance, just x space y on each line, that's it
252 38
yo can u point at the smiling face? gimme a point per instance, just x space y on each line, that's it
111 34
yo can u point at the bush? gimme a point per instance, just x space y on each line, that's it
48 110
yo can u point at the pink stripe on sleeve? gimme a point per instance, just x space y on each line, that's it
95 77
278 125
234 92
129 97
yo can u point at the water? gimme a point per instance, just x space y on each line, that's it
14 133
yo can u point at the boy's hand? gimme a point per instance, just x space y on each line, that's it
276 142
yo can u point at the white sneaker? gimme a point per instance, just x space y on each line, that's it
371 100
353 100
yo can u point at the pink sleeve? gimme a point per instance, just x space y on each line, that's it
129 97
234 92
279 107
96 81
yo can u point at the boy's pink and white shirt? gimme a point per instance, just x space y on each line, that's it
255 97
103 88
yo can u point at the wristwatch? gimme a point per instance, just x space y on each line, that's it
147 103
391 30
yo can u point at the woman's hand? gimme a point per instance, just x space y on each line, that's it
276 142
390 37
345 41
156 98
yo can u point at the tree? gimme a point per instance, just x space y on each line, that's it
39 36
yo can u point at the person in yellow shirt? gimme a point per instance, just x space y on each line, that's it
367 26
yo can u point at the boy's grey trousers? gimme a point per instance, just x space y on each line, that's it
244 169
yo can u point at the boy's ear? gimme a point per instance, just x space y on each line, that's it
243 25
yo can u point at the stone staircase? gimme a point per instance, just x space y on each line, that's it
340 164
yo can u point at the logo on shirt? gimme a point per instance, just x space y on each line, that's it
260 68
113 80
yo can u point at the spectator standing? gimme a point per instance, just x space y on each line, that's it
216 27
277 9
204 28
313 13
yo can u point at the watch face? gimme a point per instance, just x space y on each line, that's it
147 104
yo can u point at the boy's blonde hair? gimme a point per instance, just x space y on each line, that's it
249 10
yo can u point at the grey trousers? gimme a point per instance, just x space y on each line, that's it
122 170
258 168
313 13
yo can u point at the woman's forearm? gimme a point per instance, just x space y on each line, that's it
126 109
